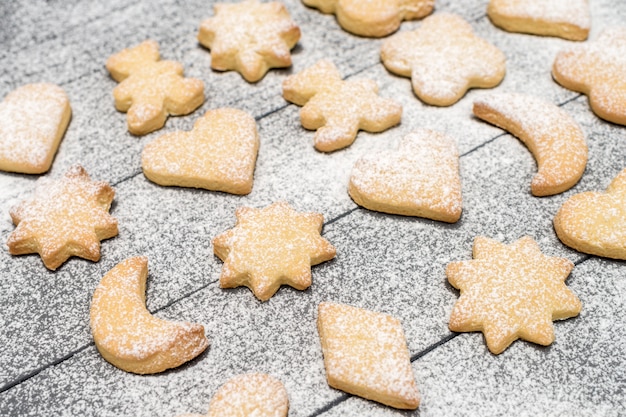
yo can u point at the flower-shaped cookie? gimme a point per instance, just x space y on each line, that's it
338 108
510 292
249 37
65 217
150 89
594 222
597 69
270 247
420 179
444 58
374 18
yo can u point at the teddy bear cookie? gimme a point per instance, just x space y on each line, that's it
597 69
219 154
365 354
125 332
510 292
594 222
150 90
420 179
443 58
249 37
567 19
65 217
553 136
338 109
373 18
33 120
270 247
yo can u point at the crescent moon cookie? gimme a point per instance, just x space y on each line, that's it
337 109
65 217
597 69
249 37
511 292
594 222
373 18
420 179
125 332
219 154
365 354
553 136
150 90
270 247
568 19
443 58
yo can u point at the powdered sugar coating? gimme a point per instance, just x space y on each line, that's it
365 354
33 119
443 58
510 292
421 178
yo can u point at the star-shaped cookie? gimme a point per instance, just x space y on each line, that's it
249 37
444 58
594 222
66 217
337 109
510 292
270 247
597 69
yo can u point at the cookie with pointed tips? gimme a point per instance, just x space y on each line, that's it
150 90
597 69
373 18
595 222
33 120
249 37
555 139
444 59
65 217
338 109
567 19
511 292
420 179
270 247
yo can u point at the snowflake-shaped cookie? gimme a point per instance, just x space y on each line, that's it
249 37
337 109
270 247
444 58
150 89
510 292
597 69
65 217
374 18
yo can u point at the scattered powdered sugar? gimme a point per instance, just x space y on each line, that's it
258 395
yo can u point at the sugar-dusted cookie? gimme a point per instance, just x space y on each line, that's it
270 247
365 354
511 292
219 154
594 222
444 58
149 89
568 19
597 69
374 18
420 179
65 217
125 332
33 120
553 136
249 37
337 109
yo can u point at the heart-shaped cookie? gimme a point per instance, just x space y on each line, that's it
218 154
420 179
594 222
